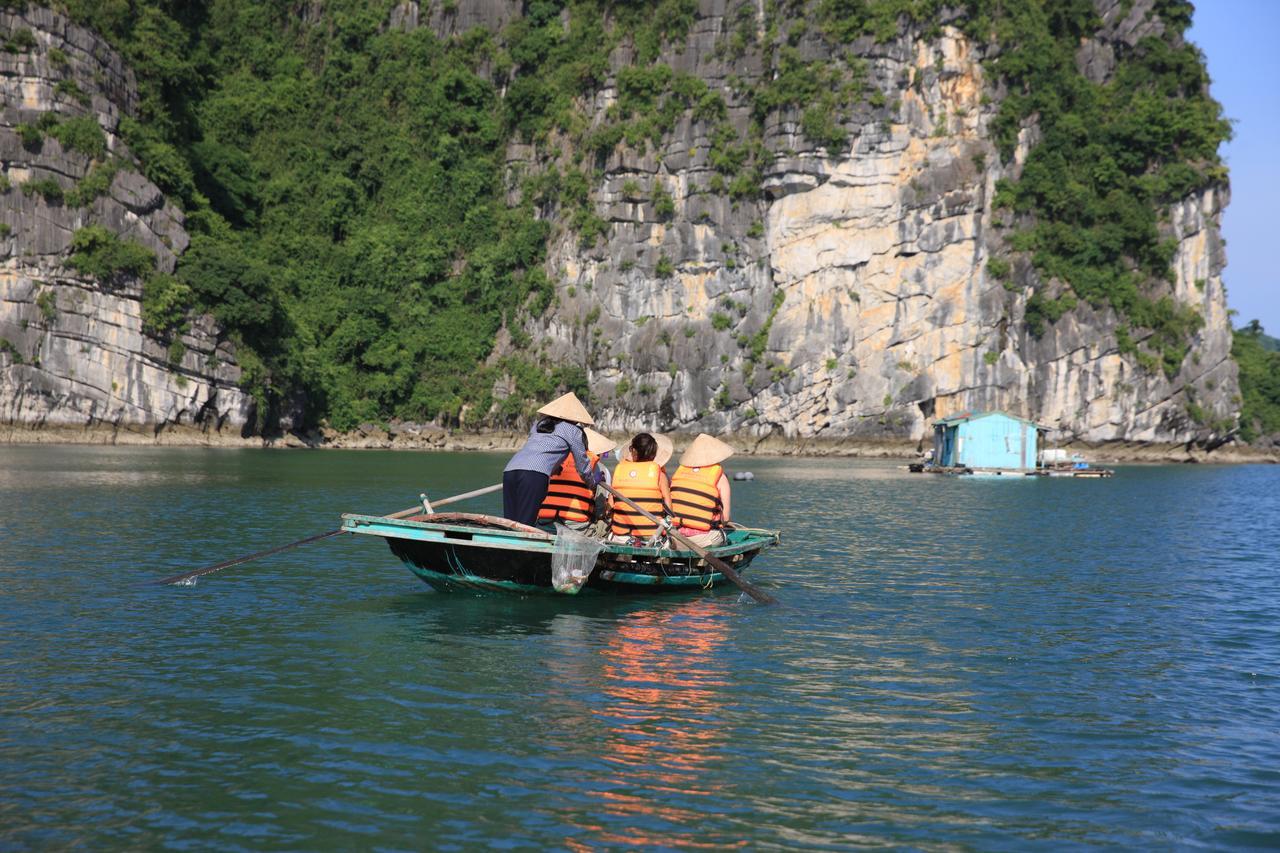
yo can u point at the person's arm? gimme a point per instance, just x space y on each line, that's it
664 486
573 436
723 485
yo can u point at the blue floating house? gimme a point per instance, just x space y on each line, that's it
986 440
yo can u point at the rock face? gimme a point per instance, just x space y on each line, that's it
72 349
853 301
850 300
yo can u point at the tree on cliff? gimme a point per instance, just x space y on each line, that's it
1256 354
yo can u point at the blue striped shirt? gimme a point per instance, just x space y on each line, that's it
544 451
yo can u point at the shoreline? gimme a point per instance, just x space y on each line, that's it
438 439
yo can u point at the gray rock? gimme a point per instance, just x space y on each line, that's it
879 254
136 193
77 354
850 300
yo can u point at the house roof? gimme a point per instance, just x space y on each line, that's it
962 417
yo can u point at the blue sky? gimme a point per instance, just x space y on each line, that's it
1241 43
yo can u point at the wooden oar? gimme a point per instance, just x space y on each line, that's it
723 567
217 567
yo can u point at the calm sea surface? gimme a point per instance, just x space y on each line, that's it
999 664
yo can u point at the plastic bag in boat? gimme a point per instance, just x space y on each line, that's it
573 556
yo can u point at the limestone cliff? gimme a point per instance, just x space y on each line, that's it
73 352
854 298
846 292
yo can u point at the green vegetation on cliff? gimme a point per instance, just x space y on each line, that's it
1111 157
1259 362
345 188
348 196
345 197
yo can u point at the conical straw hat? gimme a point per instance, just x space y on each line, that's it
567 408
665 448
597 443
704 451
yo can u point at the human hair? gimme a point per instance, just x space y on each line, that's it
643 448
547 423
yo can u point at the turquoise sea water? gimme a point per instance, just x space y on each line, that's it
997 664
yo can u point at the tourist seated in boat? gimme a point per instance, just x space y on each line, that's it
572 500
640 478
557 432
665 450
700 492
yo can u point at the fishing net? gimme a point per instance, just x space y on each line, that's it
573 556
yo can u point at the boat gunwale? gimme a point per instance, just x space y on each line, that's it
534 536
536 541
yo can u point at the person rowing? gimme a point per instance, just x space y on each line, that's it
700 492
572 500
556 433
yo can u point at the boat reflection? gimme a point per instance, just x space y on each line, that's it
660 722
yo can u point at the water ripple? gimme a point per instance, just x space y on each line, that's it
957 664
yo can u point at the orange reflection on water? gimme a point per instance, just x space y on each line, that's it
663 684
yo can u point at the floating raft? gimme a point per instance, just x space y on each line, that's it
921 468
456 551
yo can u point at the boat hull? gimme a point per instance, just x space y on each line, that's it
460 552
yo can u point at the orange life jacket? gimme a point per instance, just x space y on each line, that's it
638 481
695 497
568 497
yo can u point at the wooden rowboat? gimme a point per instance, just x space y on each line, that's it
454 551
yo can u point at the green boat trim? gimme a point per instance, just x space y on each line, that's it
455 534
458 534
